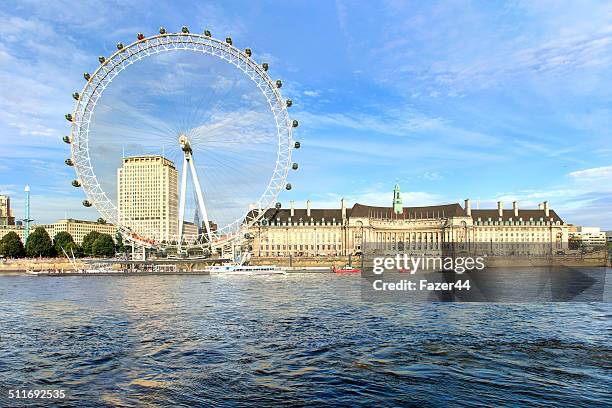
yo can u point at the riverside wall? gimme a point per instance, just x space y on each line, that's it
296 262
20 265
598 259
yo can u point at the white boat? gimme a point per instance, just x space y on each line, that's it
40 272
232 269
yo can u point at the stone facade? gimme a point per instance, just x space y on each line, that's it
424 230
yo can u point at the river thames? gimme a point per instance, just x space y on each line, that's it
299 340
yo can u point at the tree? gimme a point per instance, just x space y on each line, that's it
64 241
103 246
88 241
11 246
119 247
39 243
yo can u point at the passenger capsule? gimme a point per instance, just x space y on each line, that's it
119 46
68 117
297 145
248 52
76 183
289 102
140 36
66 139
86 76
207 33
185 30
75 95
162 30
294 166
101 59
69 162
279 83
294 123
264 66
288 186
86 203
228 40
248 235
278 205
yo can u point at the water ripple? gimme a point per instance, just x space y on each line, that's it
305 339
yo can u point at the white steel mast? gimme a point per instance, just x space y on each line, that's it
188 162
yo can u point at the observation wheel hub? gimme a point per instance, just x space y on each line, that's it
185 145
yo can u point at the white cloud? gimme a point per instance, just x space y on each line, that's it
311 93
597 174
432 176
375 197
391 122
585 200
539 41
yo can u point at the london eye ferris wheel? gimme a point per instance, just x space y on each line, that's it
208 114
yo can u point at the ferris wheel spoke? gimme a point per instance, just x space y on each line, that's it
200 112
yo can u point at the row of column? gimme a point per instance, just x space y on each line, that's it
408 240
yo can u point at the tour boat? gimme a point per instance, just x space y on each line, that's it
245 270
346 269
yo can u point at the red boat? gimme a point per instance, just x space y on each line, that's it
346 269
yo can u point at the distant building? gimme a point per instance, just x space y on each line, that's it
6 216
77 228
426 229
190 231
609 237
17 229
147 196
588 236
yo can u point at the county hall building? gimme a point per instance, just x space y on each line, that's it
424 230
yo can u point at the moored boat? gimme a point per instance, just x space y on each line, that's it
345 269
245 270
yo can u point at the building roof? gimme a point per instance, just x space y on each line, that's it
82 221
301 213
430 211
148 157
366 211
526 215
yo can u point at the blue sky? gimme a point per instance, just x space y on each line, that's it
483 100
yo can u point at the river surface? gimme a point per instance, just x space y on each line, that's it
295 340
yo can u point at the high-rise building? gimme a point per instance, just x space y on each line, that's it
6 217
147 197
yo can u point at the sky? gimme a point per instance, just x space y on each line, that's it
487 100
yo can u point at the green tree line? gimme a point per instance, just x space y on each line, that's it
40 244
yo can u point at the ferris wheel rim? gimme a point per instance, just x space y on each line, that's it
167 42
